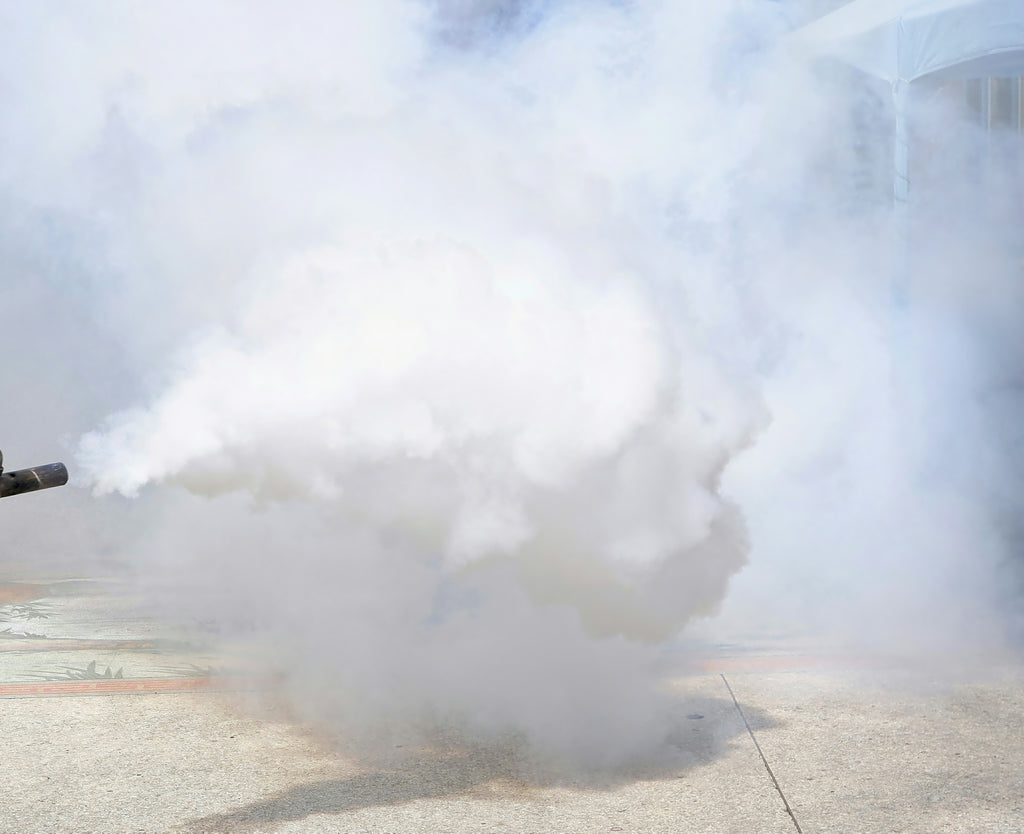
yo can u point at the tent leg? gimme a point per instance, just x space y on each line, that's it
899 279
900 287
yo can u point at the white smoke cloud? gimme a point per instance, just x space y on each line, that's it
427 335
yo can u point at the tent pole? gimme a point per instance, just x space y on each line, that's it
899 279
901 197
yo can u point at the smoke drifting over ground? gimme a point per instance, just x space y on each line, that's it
428 334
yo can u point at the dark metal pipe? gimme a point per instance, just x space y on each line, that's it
29 480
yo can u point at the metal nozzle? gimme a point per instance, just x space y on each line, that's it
29 480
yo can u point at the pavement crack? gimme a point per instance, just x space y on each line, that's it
764 760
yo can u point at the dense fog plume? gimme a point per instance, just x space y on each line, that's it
423 337
884 500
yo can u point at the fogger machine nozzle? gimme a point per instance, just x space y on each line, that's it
29 480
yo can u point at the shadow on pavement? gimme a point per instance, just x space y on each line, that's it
701 732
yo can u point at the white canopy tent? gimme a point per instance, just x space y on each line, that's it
906 41
918 43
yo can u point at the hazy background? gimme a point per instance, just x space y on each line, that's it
468 351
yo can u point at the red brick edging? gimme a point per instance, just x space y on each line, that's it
71 644
112 687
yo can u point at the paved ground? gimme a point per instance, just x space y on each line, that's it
112 723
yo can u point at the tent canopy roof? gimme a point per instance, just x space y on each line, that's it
911 40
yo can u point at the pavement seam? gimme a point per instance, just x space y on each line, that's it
764 760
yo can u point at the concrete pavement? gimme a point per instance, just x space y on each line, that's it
892 751
168 741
